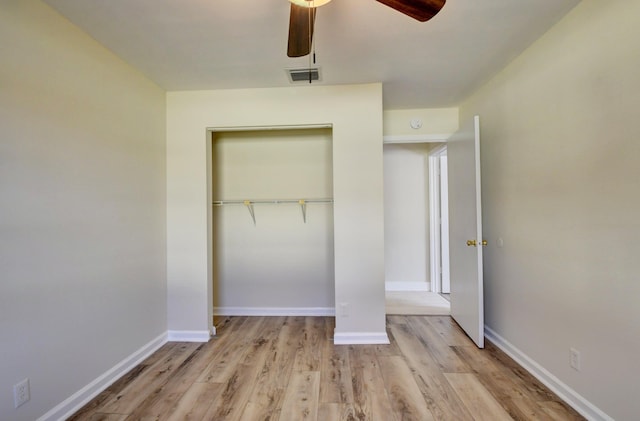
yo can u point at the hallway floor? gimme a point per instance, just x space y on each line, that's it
421 303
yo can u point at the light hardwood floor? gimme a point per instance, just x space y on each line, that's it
287 368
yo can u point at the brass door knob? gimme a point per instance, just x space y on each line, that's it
472 243
484 242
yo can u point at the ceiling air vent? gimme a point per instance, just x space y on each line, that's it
304 75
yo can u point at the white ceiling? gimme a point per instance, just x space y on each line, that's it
220 44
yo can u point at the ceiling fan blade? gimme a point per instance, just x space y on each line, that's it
301 22
421 10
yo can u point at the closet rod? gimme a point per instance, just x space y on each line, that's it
249 204
271 201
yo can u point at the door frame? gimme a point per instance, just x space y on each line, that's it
434 189
435 218
209 147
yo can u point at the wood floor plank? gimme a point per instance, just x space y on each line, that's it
234 396
335 374
309 350
302 396
442 352
560 411
370 398
194 404
232 353
239 386
476 398
502 385
283 352
262 364
262 341
405 395
107 417
260 411
220 322
438 394
524 380
396 319
336 412
131 396
508 393
449 331
525 410
267 396
162 400
515 390
329 328
96 405
390 350
478 361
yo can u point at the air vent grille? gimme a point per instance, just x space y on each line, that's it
302 75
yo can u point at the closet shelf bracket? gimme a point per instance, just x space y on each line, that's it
303 207
249 206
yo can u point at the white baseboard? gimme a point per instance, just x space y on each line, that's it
567 394
274 311
79 399
360 338
407 286
188 336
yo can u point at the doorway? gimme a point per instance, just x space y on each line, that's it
408 254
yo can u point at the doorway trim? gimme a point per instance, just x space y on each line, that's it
435 218
433 160
209 141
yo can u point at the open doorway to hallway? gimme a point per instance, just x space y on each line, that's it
413 198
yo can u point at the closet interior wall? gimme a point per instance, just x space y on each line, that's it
281 264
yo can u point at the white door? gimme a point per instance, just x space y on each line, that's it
465 230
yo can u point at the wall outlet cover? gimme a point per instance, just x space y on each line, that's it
21 393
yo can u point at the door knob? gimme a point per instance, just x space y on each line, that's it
472 243
484 242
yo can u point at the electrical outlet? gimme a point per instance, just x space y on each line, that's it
344 309
575 359
21 394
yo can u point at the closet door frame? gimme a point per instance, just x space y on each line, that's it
210 136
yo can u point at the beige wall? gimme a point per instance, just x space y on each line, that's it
561 186
406 215
355 113
437 123
82 214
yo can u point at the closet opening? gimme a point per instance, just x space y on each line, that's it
271 240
